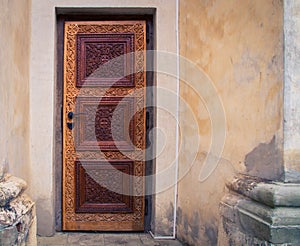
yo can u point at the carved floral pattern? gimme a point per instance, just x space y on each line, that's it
71 92
101 59
104 123
99 54
95 193
102 186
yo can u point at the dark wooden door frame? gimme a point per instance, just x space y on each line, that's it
98 14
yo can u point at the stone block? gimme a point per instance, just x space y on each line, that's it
264 211
10 214
9 236
16 222
10 188
17 212
273 194
21 233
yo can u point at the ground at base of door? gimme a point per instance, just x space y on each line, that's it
105 239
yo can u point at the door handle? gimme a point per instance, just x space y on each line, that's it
71 115
70 125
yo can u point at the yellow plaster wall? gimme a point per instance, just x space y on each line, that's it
292 91
14 86
239 45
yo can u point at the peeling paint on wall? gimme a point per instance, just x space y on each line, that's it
265 161
239 45
164 221
195 231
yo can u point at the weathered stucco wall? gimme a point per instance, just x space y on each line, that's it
14 86
239 45
292 91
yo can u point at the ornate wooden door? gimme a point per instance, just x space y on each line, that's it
104 125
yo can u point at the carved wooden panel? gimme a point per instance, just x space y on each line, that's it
104 123
102 187
88 93
101 59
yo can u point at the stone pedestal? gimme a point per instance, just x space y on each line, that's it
17 213
260 212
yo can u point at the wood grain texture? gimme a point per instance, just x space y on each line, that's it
83 83
105 123
102 186
102 59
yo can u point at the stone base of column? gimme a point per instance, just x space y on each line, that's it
17 213
260 212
